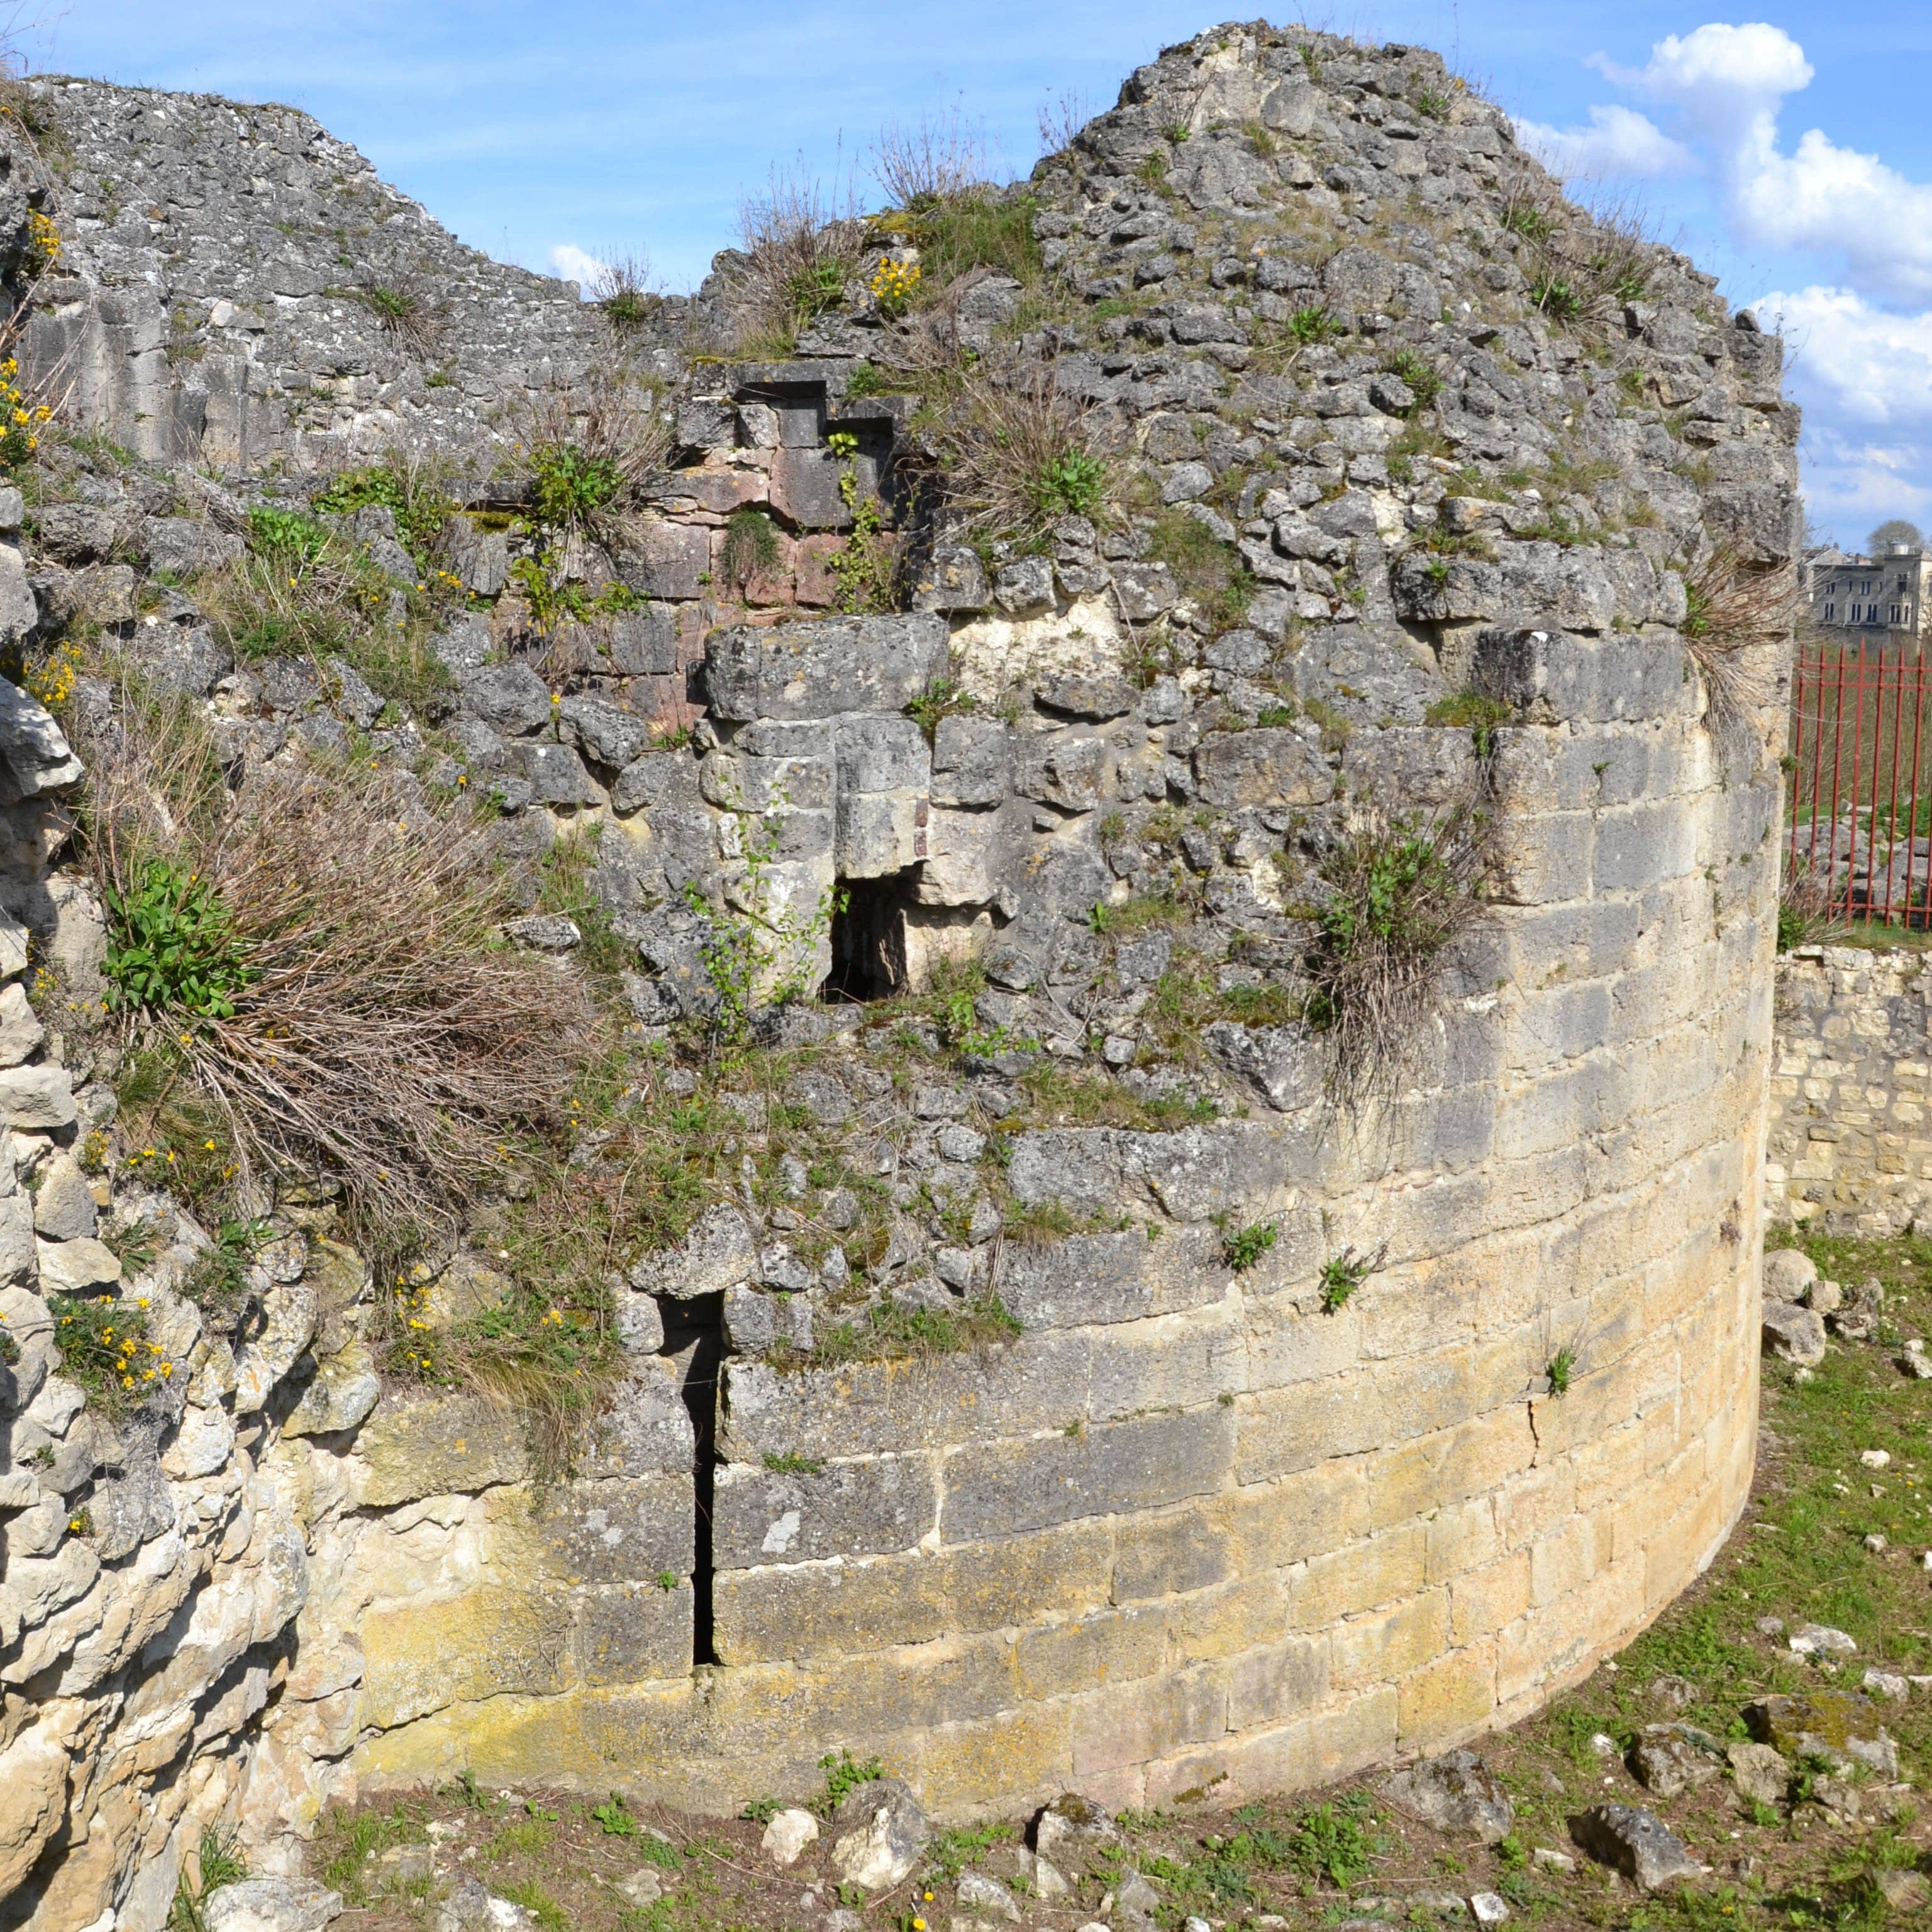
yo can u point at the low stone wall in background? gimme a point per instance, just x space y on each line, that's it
1851 1139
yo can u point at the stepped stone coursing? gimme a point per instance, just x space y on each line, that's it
1186 1525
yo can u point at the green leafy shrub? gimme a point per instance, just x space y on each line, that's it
1342 1274
1244 1247
1483 716
1562 1366
1206 569
1311 324
1019 457
172 946
1336 1842
572 483
286 533
409 493
844 1775
1556 297
1422 376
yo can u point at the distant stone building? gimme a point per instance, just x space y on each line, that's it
1884 600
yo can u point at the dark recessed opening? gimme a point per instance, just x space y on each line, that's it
695 1340
868 949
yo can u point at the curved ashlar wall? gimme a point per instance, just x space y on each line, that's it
1189 1529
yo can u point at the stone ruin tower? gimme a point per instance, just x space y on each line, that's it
1241 1461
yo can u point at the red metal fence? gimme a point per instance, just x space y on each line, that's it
1860 821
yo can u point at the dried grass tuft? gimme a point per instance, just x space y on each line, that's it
941 158
1020 455
1739 618
389 1041
800 246
1401 890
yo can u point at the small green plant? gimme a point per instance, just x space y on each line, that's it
1176 131
419 508
216 1865
867 378
1072 484
666 1581
940 699
751 547
286 533
844 1775
792 1464
398 310
814 290
1424 379
1241 1249
615 1818
1312 324
867 565
1336 1842
1482 715
843 445
1342 1274
1276 714
1555 297
1530 222
1562 1366
171 947
759 1811
1431 102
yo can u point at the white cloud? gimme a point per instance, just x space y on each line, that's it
1876 366
1864 376
575 264
1725 85
1619 142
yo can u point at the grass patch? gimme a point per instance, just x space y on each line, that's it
1206 569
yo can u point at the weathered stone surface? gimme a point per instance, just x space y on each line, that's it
719 1251
1455 1794
1842 1727
36 1096
819 669
1788 1273
1269 767
1671 1759
271 1905
878 1833
436 1445
1637 1843
1794 1334
788 1834
1760 1772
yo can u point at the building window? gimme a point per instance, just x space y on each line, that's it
1829 613
1894 614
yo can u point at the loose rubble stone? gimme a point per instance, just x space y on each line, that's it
787 1834
1821 1640
473 1907
1794 1334
1636 1843
1841 1726
1760 1772
1787 1274
271 1905
880 1833
1455 1794
1669 1758
980 1897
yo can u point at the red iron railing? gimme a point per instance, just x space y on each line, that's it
1860 819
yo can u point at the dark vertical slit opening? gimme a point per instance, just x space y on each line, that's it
695 1340
868 939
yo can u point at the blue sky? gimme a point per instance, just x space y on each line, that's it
597 126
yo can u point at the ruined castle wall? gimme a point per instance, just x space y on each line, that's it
1189 1527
